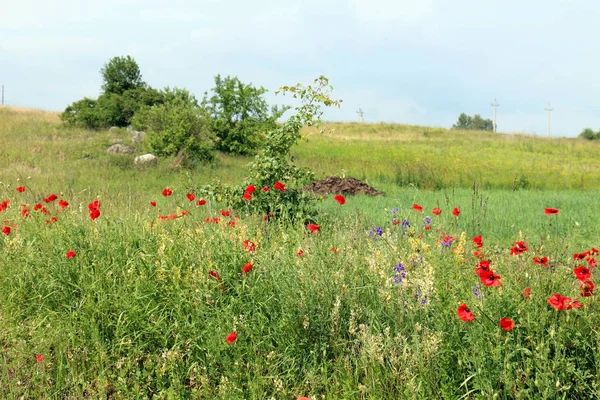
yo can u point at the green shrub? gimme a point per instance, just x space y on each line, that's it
589 134
176 127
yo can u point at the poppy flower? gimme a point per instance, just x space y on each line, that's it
417 207
593 251
265 189
479 254
6 230
37 207
591 262
551 211
4 205
582 273
70 254
562 303
51 221
314 228
464 313
225 213
200 202
231 224
94 208
456 212
153 203
249 246
279 186
507 324
231 338
541 261
526 292
436 211
489 278
478 240
167 192
340 199
482 266
63 204
246 268
214 274
518 248
25 212
302 398
334 249
581 256
250 188
45 211
300 253
39 358
587 288
191 196
247 196
50 198
20 189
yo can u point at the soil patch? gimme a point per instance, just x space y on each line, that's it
336 185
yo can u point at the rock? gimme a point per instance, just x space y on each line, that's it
117 140
146 159
138 136
120 149
114 128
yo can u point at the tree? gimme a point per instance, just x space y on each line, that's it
239 115
589 134
466 122
121 74
178 126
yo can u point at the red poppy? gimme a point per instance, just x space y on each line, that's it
214 274
417 207
279 186
593 251
300 253
50 198
265 189
21 189
518 248
153 203
482 266
582 273
6 230
541 261
436 211
225 213
39 358
249 246
489 278
246 268
302 398
45 211
314 228
562 303
507 324
464 313
191 196
591 262
334 249
478 240
526 292
200 202
250 188
25 212
167 192
340 199
63 204
456 212
247 196
37 207
587 288
4 205
479 254
94 208
231 338
51 221
581 256
551 211
70 254
231 224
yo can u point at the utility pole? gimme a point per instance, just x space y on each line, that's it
2 94
548 126
495 105
360 115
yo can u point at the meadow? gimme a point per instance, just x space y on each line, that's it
110 296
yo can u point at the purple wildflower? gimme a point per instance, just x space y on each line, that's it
400 273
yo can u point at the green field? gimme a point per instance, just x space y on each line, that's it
140 312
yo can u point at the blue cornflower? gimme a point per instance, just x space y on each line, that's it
477 292
377 231
400 274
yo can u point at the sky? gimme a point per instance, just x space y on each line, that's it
420 62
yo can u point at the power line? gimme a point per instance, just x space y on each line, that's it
360 115
495 105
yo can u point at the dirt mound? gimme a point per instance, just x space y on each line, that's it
336 185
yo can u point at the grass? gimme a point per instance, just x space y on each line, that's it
137 313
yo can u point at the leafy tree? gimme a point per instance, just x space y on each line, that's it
589 134
239 114
177 126
466 122
83 114
121 74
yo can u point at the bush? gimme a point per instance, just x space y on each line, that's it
240 116
589 134
178 126
475 123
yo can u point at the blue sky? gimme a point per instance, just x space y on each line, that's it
417 62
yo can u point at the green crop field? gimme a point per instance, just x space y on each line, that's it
124 299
